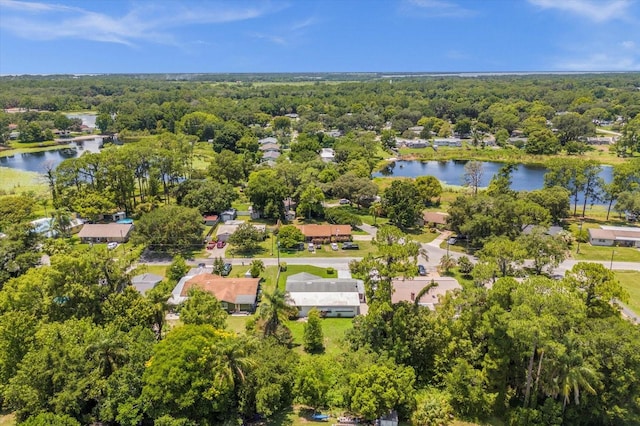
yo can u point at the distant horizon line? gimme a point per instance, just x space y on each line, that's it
397 74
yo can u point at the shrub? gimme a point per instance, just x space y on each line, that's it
331 271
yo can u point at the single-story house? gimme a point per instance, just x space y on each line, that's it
329 303
334 133
406 290
145 282
224 231
327 155
447 142
270 156
270 147
325 233
210 219
305 282
228 215
437 218
600 140
292 115
105 232
234 294
266 140
623 236
416 129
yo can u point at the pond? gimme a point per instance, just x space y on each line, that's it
40 161
88 120
451 172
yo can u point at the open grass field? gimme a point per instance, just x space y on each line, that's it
630 281
13 181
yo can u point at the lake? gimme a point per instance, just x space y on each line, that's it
39 161
451 172
88 120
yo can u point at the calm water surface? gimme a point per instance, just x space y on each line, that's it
39 162
451 172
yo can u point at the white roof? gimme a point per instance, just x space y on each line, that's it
324 299
620 228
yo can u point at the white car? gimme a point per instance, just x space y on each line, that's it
334 246
111 246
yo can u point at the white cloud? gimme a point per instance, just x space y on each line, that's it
628 44
436 9
601 61
44 21
597 11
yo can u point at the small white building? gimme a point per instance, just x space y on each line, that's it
266 140
328 155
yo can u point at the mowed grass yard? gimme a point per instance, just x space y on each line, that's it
630 281
620 254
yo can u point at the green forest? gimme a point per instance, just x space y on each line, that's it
541 331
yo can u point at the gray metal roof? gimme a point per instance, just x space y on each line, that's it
305 282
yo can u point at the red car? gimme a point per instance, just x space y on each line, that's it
211 245
221 244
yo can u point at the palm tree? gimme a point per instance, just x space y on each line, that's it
375 210
257 267
61 221
233 361
447 262
424 291
275 312
109 351
572 375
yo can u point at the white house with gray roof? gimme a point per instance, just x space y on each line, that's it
333 297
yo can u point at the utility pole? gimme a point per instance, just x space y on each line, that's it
579 236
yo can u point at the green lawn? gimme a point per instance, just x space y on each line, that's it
333 329
13 181
620 254
630 281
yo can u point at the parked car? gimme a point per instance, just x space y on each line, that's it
311 247
111 246
350 246
221 244
226 269
334 246
211 245
451 241
344 201
422 271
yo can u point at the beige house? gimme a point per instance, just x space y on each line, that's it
105 232
622 236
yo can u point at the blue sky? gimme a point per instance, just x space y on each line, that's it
162 36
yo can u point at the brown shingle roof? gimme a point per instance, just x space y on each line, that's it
324 231
105 230
225 289
435 217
